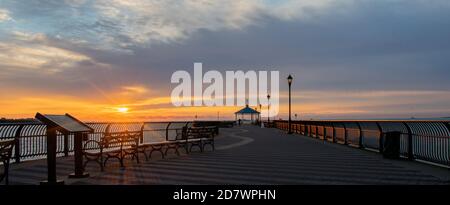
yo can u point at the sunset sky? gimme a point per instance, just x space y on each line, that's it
112 59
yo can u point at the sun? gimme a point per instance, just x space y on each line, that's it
122 109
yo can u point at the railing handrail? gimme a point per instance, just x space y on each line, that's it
427 140
32 135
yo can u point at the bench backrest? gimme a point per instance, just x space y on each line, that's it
6 147
121 139
201 132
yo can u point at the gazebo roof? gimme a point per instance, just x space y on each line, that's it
247 110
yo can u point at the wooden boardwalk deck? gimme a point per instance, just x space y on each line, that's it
251 155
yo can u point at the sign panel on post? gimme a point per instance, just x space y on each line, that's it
65 124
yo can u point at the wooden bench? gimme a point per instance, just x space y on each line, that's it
120 145
185 137
6 147
158 144
200 137
113 145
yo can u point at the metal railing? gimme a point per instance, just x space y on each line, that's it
421 140
31 143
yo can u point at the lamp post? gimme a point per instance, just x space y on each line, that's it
268 109
289 78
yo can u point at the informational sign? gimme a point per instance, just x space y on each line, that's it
65 122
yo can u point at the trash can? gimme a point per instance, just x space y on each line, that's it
391 145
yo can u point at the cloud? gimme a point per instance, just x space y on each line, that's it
135 89
42 57
34 51
4 15
75 3
294 10
142 21
150 22
349 104
366 94
119 25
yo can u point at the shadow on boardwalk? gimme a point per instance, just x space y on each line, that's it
251 155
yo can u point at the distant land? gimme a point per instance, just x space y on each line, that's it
23 120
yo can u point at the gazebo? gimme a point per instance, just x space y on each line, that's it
247 112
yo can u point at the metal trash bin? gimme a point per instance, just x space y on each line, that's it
391 145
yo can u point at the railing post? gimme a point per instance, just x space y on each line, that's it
107 130
380 141
306 129
410 141
167 131
447 125
302 129
317 131
184 131
324 132
17 145
141 139
66 144
360 144
310 130
345 133
334 133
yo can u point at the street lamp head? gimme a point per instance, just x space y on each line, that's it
289 78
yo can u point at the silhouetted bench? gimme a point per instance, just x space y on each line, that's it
113 145
6 147
200 137
158 144
120 145
185 137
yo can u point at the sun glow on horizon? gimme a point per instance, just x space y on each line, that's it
122 109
